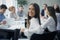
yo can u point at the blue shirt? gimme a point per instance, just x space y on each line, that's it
21 14
2 17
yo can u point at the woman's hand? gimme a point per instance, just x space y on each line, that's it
22 30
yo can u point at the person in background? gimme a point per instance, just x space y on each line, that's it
3 8
13 12
2 11
21 12
43 15
57 10
33 23
56 7
51 22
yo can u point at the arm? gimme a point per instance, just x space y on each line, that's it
37 30
34 28
46 23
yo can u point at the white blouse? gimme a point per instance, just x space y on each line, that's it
34 28
58 21
50 24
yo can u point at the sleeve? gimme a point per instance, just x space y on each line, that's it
46 23
34 28
37 30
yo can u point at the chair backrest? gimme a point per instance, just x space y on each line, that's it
8 34
45 36
58 35
3 34
49 36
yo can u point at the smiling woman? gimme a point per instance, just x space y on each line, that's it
33 21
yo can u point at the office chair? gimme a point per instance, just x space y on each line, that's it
45 36
6 34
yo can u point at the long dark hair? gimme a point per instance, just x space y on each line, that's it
37 12
52 13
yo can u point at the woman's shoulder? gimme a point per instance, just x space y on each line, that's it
50 18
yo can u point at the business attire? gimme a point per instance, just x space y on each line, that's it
37 29
58 25
42 12
49 24
3 18
58 21
34 28
21 14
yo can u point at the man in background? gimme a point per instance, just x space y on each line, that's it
21 12
4 22
43 11
2 11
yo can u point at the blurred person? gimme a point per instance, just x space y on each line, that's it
57 10
21 12
43 14
4 24
3 21
56 7
13 12
2 11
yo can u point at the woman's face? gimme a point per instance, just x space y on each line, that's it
12 10
31 11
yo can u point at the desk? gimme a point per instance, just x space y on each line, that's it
17 25
12 24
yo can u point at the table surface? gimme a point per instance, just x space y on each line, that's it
14 24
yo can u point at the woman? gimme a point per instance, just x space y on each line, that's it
49 26
51 22
57 10
33 21
13 13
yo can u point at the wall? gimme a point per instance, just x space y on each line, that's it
41 2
